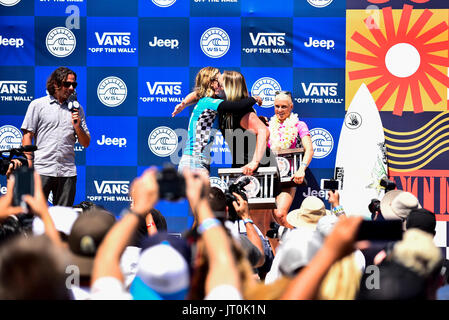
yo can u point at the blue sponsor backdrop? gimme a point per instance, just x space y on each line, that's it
136 60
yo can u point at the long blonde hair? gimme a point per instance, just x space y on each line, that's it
203 81
234 85
342 281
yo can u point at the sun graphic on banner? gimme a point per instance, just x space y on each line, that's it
401 59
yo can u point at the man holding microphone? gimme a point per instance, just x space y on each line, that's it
54 122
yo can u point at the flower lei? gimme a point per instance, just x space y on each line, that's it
283 138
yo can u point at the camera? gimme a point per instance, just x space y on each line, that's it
14 153
15 225
374 206
172 185
387 184
239 188
273 232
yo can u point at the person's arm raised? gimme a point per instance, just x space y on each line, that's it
242 209
144 192
190 99
39 207
222 267
6 208
339 243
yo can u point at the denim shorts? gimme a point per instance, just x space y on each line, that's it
193 163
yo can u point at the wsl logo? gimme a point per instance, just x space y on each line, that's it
268 43
10 137
215 42
163 141
9 3
112 91
322 142
163 3
161 91
266 88
113 42
61 42
13 90
319 3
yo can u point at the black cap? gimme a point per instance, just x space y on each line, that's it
422 219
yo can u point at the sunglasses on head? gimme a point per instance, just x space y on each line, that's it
67 84
283 92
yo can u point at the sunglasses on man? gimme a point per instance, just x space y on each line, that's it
67 84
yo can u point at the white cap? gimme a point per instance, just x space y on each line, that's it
63 218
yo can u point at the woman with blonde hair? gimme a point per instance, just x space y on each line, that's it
203 122
254 133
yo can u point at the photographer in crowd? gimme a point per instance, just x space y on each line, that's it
233 211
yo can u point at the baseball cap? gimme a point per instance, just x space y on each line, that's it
162 272
86 235
422 219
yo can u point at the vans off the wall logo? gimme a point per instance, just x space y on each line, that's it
113 42
61 42
268 43
163 91
215 42
14 90
163 141
112 91
266 88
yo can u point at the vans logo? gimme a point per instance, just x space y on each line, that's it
165 88
320 89
13 87
113 38
267 39
112 187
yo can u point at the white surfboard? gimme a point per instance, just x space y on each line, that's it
361 156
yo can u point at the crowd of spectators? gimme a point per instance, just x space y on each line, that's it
89 253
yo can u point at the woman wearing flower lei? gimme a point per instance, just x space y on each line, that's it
287 132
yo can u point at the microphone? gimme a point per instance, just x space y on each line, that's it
72 103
